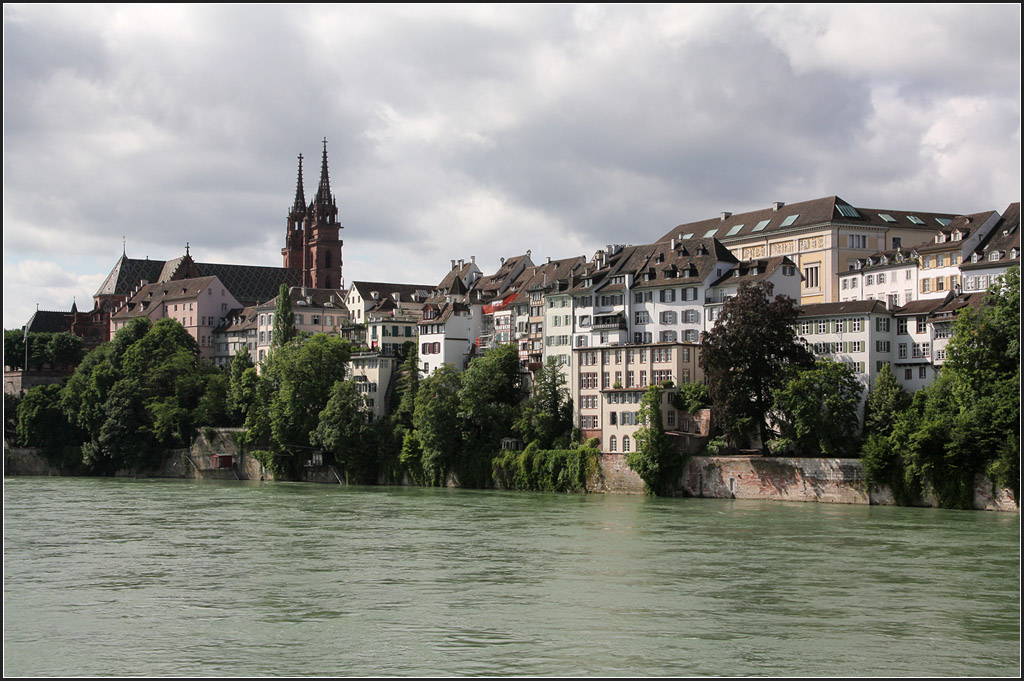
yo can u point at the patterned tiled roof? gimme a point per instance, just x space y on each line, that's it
48 321
249 284
806 214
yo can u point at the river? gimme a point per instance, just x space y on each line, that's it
173 577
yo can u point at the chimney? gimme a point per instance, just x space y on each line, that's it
549 259
725 215
453 263
673 244
777 205
461 263
472 259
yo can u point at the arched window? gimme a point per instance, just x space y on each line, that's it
611 444
625 443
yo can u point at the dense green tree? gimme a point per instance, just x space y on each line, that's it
65 350
241 388
817 409
407 386
41 423
284 319
745 357
967 422
14 348
489 395
654 459
438 428
344 432
547 415
885 401
692 397
296 384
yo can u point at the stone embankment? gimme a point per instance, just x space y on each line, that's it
215 454
836 481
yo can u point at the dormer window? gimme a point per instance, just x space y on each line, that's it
940 238
994 255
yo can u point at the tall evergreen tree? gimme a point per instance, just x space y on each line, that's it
284 319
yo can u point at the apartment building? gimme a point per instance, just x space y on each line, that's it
199 304
609 382
373 374
823 237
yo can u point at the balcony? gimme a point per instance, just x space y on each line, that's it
609 323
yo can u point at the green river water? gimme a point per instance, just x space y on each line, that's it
172 577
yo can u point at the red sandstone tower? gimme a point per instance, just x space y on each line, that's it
312 243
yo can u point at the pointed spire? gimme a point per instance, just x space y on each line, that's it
299 206
325 209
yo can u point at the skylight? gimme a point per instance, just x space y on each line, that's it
710 233
790 220
887 217
687 236
761 225
943 221
916 220
847 211
735 230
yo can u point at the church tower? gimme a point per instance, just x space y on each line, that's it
312 242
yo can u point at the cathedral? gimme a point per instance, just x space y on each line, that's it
312 243
311 254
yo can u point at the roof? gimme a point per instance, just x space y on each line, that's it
249 284
404 292
151 296
921 307
965 224
50 321
951 307
780 217
848 307
1003 238
754 270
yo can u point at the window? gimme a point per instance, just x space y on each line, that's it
668 317
811 276
897 242
901 326
667 295
643 318
902 353
922 372
922 324
908 374
882 324
625 443
611 441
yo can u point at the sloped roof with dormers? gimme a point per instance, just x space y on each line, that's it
249 284
780 218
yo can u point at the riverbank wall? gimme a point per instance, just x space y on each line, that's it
837 481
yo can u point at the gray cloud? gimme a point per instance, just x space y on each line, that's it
483 130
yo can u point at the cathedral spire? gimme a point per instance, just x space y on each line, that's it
324 207
299 206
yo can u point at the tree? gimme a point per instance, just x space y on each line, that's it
344 430
489 393
295 386
885 401
655 460
547 414
438 429
65 349
241 386
817 409
745 357
284 319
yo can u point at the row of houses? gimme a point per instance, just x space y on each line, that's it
875 287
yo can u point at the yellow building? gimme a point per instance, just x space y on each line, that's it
823 237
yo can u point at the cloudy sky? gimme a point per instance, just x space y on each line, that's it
482 130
